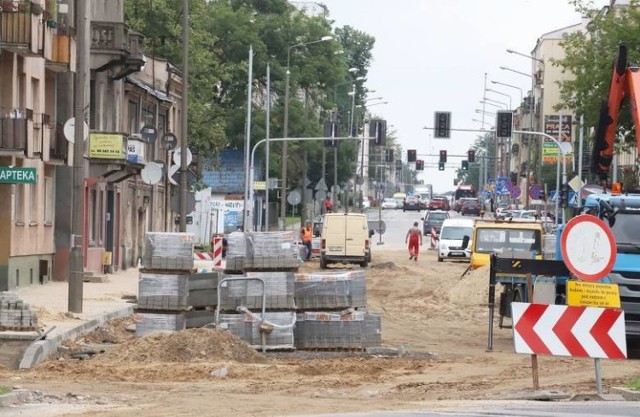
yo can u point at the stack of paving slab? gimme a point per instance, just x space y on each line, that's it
163 287
264 251
202 299
15 315
241 301
332 314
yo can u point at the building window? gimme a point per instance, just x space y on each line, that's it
19 203
133 117
49 196
33 204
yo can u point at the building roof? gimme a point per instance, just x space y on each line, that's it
160 95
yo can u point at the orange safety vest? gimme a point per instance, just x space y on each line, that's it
307 235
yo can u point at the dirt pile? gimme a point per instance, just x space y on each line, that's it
113 331
470 289
192 345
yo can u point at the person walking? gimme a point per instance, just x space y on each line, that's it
306 235
414 237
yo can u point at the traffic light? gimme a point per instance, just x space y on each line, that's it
378 131
440 166
564 195
471 156
411 155
465 165
504 124
442 125
331 131
419 165
388 155
443 156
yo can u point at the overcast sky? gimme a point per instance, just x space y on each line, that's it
432 56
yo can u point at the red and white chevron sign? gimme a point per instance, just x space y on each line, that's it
559 330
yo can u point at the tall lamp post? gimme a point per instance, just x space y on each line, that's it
527 179
502 94
283 194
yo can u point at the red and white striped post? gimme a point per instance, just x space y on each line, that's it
434 237
217 251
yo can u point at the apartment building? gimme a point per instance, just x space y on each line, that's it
134 106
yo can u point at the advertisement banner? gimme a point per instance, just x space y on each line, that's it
107 146
553 128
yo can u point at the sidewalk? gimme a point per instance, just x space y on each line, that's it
101 302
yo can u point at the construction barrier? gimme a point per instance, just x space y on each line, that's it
202 256
217 251
434 238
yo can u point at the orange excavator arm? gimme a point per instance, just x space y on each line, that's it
625 83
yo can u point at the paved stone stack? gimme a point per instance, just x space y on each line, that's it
277 328
279 288
352 330
164 283
332 311
15 314
168 252
330 290
202 298
263 251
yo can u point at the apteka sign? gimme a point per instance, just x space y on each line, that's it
17 175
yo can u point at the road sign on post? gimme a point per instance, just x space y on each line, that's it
588 332
588 247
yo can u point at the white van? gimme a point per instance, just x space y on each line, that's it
345 239
450 239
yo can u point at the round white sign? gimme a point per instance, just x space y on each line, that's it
69 130
588 247
177 157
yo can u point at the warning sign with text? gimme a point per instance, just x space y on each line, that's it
592 294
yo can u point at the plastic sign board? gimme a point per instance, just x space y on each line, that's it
588 247
593 294
17 175
558 330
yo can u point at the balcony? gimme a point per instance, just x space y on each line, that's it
20 27
14 128
58 146
113 45
62 56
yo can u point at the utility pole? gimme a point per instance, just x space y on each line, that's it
76 258
184 131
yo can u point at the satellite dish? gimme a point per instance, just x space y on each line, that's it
69 130
162 165
149 133
152 173
177 155
294 198
169 141
173 170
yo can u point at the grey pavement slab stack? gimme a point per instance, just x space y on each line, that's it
163 288
330 290
168 252
352 330
202 299
279 289
248 327
265 251
15 314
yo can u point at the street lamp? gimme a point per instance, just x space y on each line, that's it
527 180
489 102
482 122
502 94
511 51
485 112
283 196
510 86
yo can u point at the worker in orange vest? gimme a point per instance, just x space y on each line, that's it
306 234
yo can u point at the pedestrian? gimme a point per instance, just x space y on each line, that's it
328 205
414 235
306 234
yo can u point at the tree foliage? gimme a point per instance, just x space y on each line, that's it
221 33
589 57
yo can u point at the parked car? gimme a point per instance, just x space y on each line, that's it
388 203
451 237
459 202
433 219
399 202
345 239
471 207
439 203
412 202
